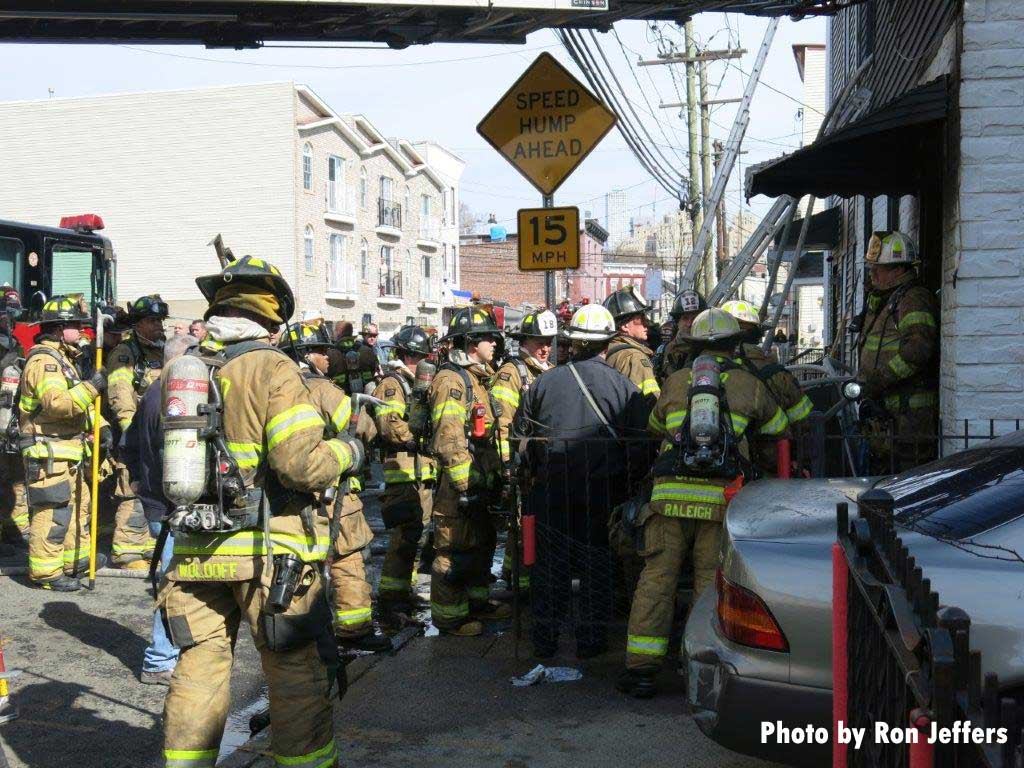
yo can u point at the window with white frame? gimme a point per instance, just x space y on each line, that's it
307 248
425 267
444 207
364 261
363 187
425 206
444 260
408 201
335 183
307 167
386 188
339 275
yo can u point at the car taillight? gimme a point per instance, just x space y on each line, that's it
745 619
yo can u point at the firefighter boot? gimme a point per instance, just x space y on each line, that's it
374 641
469 628
638 683
61 584
492 610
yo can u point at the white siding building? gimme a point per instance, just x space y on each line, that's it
352 220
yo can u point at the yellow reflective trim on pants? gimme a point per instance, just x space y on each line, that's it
190 758
448 408
44 563
325 756
650 387
459 472
130 549
900 367
673 490
478 593
246 454
506 395
295 419
250 543
342 415
675 419
342 453
449 612
800 411
916 318
777 425
121 375
920 400
355 616
646 645
395 584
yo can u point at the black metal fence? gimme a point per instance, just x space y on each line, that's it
906 659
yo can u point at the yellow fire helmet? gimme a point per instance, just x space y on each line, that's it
743 311
714 325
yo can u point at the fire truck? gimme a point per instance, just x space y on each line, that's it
41 262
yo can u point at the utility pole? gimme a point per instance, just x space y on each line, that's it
710 265
721 253
695 202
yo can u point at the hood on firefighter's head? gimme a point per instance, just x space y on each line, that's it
230 330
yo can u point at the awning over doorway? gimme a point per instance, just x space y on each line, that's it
889 151
822 233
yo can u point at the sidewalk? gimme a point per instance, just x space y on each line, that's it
448 703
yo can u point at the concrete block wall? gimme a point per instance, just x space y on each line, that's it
983 328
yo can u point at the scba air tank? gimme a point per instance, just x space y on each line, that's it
705 401
186 467
8 394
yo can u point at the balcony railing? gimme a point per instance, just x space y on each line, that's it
391 284
430 228
430 291
389 214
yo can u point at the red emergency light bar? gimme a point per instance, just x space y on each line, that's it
87 222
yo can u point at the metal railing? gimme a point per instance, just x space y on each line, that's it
389 213
391 284
899 659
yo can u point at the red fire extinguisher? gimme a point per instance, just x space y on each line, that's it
478 427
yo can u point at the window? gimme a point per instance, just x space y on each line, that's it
12 252
307 167
339 277
444 260
425 205
335 183
307 248
444 207
408 201
363 187
385 188
426 267
390 278
364 261
71 271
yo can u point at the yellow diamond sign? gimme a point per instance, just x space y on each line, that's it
546 124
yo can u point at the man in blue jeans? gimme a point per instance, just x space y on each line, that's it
142 444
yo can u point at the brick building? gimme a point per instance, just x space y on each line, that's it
490 270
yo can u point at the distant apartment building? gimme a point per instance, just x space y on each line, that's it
358 225
616 216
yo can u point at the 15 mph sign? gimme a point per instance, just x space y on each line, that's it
549 238
546 124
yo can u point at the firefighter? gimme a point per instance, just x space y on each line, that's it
463 443
133 365
409 472
897 348
693 483
14 518
275 436
627 353
56 415
344 342
687 305
510 383
781 383
350 591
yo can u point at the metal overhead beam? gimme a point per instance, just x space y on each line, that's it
735 53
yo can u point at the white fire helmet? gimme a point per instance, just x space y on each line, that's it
891 248
591 322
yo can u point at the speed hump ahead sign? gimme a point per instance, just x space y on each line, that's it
549 238
546 124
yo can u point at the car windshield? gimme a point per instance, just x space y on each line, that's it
962 495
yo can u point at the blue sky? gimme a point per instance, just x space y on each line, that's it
441 92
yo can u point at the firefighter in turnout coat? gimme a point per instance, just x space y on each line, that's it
897 349
628 353
409 473
679 352
683 520
14 518
56 411
464 445
215 580
350 591
133 365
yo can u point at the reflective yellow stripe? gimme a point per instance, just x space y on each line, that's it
920 400
800 411
121 376
916 318
873 343
321 758
650 387
504 448
44 563
673 490
900 367
654 424
124 424
306 548
506 395
739 423
356 616
394 584
449 408
459 472
61 451
450 612
646 645
295 419
246 454
342 452
776 425
342 415
82 396
190 758
27 403
391 407
675 420
74 555
427 472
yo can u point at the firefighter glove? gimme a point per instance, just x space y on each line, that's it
106 439
99 381
357 450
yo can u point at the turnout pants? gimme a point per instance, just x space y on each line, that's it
14 517
903 442
350 591
413 502
464 543
668 543
58 498
203 618
131 531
